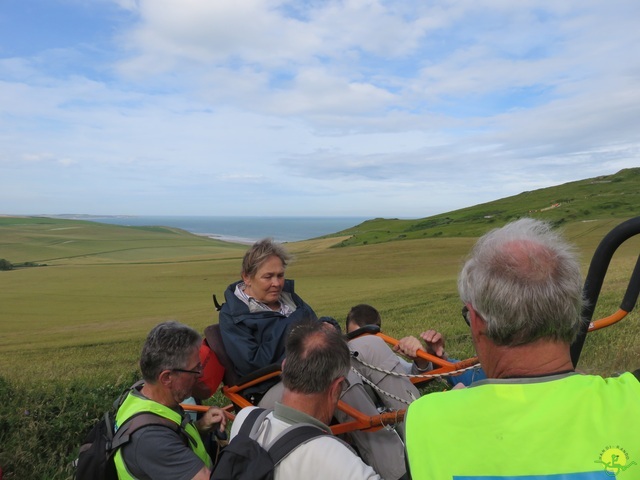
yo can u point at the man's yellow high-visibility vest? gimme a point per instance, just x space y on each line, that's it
134 404
562 427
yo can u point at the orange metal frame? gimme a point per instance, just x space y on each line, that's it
606 321
361 421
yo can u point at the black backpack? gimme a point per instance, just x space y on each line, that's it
245 459
95 457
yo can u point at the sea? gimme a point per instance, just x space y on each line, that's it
241 229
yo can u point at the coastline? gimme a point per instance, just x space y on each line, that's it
228 238
242 230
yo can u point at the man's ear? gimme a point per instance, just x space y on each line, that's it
335 388
282 364
165 378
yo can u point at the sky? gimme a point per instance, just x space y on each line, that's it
396 109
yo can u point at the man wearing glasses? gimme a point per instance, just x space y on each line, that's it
534 417
170 366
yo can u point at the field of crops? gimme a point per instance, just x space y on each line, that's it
72 323
86 312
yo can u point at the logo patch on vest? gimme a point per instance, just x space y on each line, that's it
614 460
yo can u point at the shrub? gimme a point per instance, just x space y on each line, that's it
5 265
42 426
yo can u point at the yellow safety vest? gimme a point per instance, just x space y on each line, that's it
572 427
134 404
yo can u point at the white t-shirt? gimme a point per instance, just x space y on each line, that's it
321 458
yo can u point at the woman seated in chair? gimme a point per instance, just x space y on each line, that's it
258 311
254 322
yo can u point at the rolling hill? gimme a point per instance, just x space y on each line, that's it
607 197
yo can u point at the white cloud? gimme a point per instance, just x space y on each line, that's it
392 108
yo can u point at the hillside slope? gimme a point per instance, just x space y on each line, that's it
56 241
607 197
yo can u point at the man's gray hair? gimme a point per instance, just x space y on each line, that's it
260 252
525 282
316 354
168 345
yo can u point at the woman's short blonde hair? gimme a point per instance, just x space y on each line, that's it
260 252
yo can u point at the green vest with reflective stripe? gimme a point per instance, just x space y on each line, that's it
566 427
134 404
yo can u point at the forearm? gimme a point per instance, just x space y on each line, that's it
203 474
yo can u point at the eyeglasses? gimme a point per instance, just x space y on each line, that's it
465 315
196 371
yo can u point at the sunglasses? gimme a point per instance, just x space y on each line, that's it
465 315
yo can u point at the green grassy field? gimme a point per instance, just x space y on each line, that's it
85 314
71 329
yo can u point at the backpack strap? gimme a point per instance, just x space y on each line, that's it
292 438
143 419
253 422
123 396
288 440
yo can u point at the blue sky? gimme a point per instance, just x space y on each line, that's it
373 108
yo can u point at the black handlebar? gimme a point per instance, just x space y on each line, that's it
595 279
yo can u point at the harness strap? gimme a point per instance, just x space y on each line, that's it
288 440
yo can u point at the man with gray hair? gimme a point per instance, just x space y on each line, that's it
170 366
313 374
534 417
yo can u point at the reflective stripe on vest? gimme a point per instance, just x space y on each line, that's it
575 428
133 405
